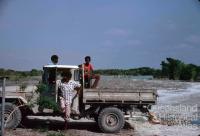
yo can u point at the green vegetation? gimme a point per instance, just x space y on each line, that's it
22 87
45 101
171 68
17 75
55 134
134 72
43 129
177 70
41 88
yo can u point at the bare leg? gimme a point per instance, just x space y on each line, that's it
62 104
67 111
97 78
67 114
75 103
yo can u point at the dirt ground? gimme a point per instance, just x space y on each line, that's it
83 128
170 93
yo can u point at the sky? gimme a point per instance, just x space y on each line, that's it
115 33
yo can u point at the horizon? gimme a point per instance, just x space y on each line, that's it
160 68
116 34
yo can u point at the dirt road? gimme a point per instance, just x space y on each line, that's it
171 94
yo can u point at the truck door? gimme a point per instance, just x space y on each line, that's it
49 79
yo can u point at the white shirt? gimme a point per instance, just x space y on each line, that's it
67 89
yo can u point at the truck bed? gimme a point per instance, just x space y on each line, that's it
131 96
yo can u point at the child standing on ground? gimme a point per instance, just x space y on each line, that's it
67 87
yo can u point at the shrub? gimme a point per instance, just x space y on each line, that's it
23 86
55 134
45 101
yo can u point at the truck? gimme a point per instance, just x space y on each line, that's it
108 107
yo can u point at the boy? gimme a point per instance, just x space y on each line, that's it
67 87
88 72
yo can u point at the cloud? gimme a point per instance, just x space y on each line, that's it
117 32
195 39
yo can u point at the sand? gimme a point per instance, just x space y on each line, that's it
171 93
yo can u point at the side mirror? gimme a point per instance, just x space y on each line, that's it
76 75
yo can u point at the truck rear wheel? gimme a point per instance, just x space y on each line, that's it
111 120
12 115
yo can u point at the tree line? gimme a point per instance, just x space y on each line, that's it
16 75
134 71
171 68
175 69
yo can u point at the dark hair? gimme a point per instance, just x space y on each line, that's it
67 74
88 57
54 58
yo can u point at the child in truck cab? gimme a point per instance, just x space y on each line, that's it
67 87
88 72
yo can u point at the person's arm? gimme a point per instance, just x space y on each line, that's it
77 87
92 69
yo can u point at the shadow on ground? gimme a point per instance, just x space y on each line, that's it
59 125
46 125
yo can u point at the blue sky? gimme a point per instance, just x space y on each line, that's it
115 33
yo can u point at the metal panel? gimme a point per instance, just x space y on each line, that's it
146 96
118 95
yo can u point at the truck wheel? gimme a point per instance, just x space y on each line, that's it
12 119
111 120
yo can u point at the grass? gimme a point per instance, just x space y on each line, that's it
55 134
45 129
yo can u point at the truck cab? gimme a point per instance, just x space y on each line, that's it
52 73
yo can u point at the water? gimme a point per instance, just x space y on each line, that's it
183 104
196 122
174 96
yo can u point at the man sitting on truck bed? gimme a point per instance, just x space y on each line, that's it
88 72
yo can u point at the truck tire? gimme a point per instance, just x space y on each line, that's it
111 120
14 120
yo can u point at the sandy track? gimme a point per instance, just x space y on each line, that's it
171 93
